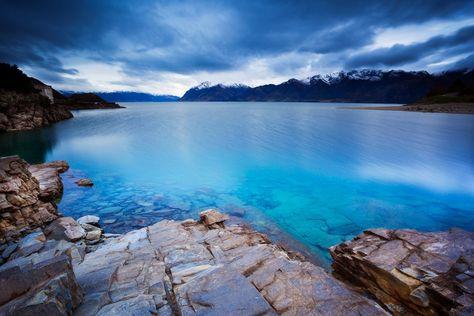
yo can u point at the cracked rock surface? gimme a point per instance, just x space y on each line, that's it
189 268
412 272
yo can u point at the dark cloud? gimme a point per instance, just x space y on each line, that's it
397 55
465 63
188 36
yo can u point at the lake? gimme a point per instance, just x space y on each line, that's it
312 174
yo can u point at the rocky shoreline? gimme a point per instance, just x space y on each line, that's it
452 108
28 111
51 264
27 103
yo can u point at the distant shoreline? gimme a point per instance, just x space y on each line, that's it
450 108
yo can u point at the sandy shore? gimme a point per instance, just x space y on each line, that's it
453 108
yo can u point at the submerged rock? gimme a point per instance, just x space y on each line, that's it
412 272
84 182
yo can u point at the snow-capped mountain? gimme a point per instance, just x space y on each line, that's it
394 86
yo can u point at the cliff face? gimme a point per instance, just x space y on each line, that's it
26 103
27 111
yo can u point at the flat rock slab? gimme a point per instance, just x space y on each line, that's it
222 291
410 271
188 268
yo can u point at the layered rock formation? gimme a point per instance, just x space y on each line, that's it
27 111
412 272
27 196
26 103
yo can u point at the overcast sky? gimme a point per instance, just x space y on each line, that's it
166 47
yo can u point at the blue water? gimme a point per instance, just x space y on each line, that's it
312 173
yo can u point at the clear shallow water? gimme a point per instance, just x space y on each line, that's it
313 172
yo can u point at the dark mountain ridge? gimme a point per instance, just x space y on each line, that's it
85 101
131 96
375 86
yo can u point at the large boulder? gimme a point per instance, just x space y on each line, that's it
43 284
412 272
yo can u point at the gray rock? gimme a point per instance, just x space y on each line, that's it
30 244
88 227
109 235
21 275
9 250
139 305
222 291
46 287
89 219
93 235
65 228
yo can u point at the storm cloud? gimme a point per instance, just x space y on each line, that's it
399 55
63 42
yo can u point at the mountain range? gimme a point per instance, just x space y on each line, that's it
130 96
377 86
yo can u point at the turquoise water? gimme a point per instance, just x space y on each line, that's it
313 173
